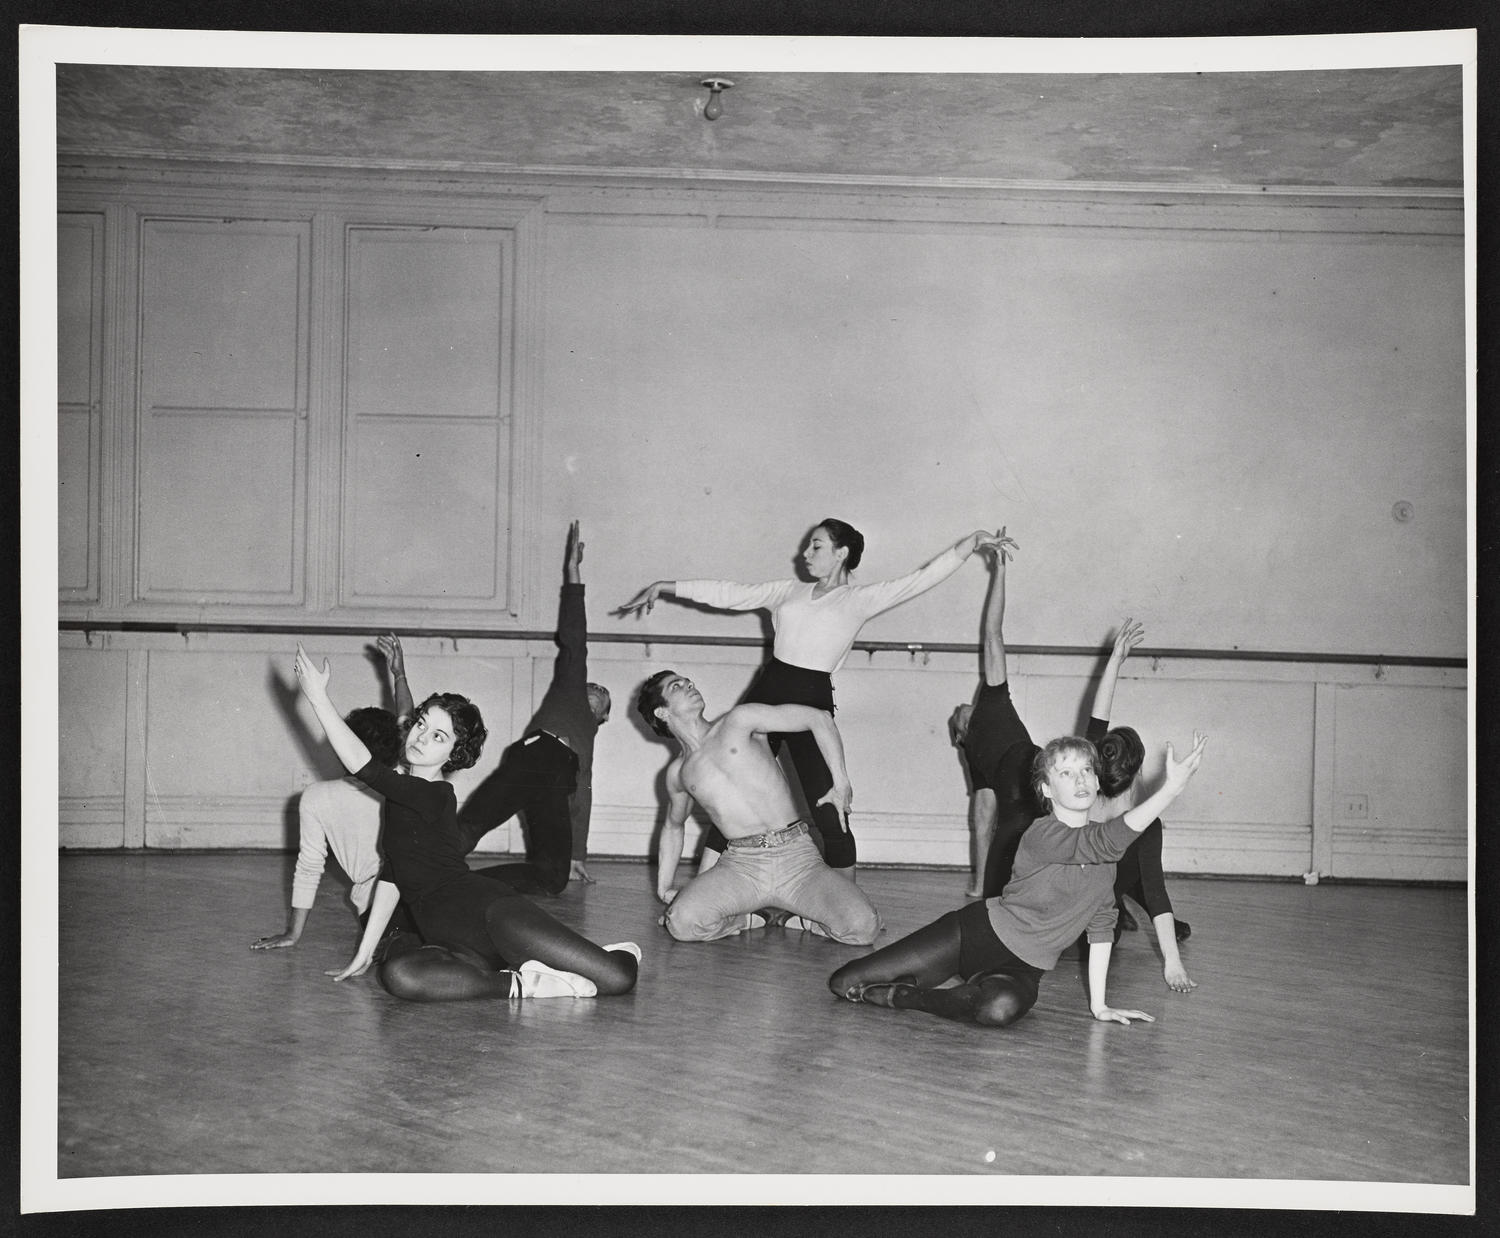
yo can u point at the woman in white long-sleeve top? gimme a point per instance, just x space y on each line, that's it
816 622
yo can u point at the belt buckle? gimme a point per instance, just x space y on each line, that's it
764 841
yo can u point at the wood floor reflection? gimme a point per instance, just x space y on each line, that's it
1328 1040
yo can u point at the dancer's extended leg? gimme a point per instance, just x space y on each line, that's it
441 974
925 958
522 931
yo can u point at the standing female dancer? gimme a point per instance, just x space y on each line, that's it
816 624
1138 872
1063 885
475 930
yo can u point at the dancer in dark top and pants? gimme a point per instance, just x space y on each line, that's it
547 774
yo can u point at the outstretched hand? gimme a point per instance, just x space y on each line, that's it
1132 632
642 602
999 546
1110 1015
1179 772
840 798
395 657
573 555
309 678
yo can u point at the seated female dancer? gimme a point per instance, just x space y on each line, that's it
1063 884
1138 872
816 623
342 815
479 937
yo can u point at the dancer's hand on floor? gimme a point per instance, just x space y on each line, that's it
1178 979
278 941
1109 1014
358 966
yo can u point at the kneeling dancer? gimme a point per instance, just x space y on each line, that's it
771 863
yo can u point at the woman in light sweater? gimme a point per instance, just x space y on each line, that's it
816 622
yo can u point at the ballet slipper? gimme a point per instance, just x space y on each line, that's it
539 980
883 993
628 947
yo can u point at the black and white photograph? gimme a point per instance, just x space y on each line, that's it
733 620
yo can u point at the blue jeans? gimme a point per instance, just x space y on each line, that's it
791 877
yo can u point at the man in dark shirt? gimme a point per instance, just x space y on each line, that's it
546 774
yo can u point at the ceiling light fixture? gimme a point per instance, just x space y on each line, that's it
713 109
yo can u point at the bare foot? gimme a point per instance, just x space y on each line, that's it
577 872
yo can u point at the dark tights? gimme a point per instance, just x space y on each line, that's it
906 974
519 931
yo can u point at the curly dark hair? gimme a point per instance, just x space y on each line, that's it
468 728
845 537
1121 755
378 731
1048 755
650 699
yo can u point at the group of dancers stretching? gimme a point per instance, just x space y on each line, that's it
1059 836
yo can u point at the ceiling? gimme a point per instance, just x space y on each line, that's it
1363 129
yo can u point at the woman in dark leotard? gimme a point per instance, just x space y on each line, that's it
479 937
996 747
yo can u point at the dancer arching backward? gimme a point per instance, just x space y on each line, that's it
343 815
1063 884
1009 827
547 774
481 938
1138 872
770 864
816 624
995 744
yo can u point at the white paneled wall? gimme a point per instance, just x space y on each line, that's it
226 746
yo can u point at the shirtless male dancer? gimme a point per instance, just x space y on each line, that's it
771 863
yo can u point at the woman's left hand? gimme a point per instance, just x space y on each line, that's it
358 966
840 798
1108 1014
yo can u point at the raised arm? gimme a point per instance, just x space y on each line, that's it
1129 636
395 661
669 849
992 642
349 748
1179 774
882 595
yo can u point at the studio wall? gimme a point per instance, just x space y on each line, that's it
306 407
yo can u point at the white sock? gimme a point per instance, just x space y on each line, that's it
539 980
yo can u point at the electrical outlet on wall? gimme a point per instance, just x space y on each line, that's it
305 778
1356 807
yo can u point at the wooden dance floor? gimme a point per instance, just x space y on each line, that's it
1328 1040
